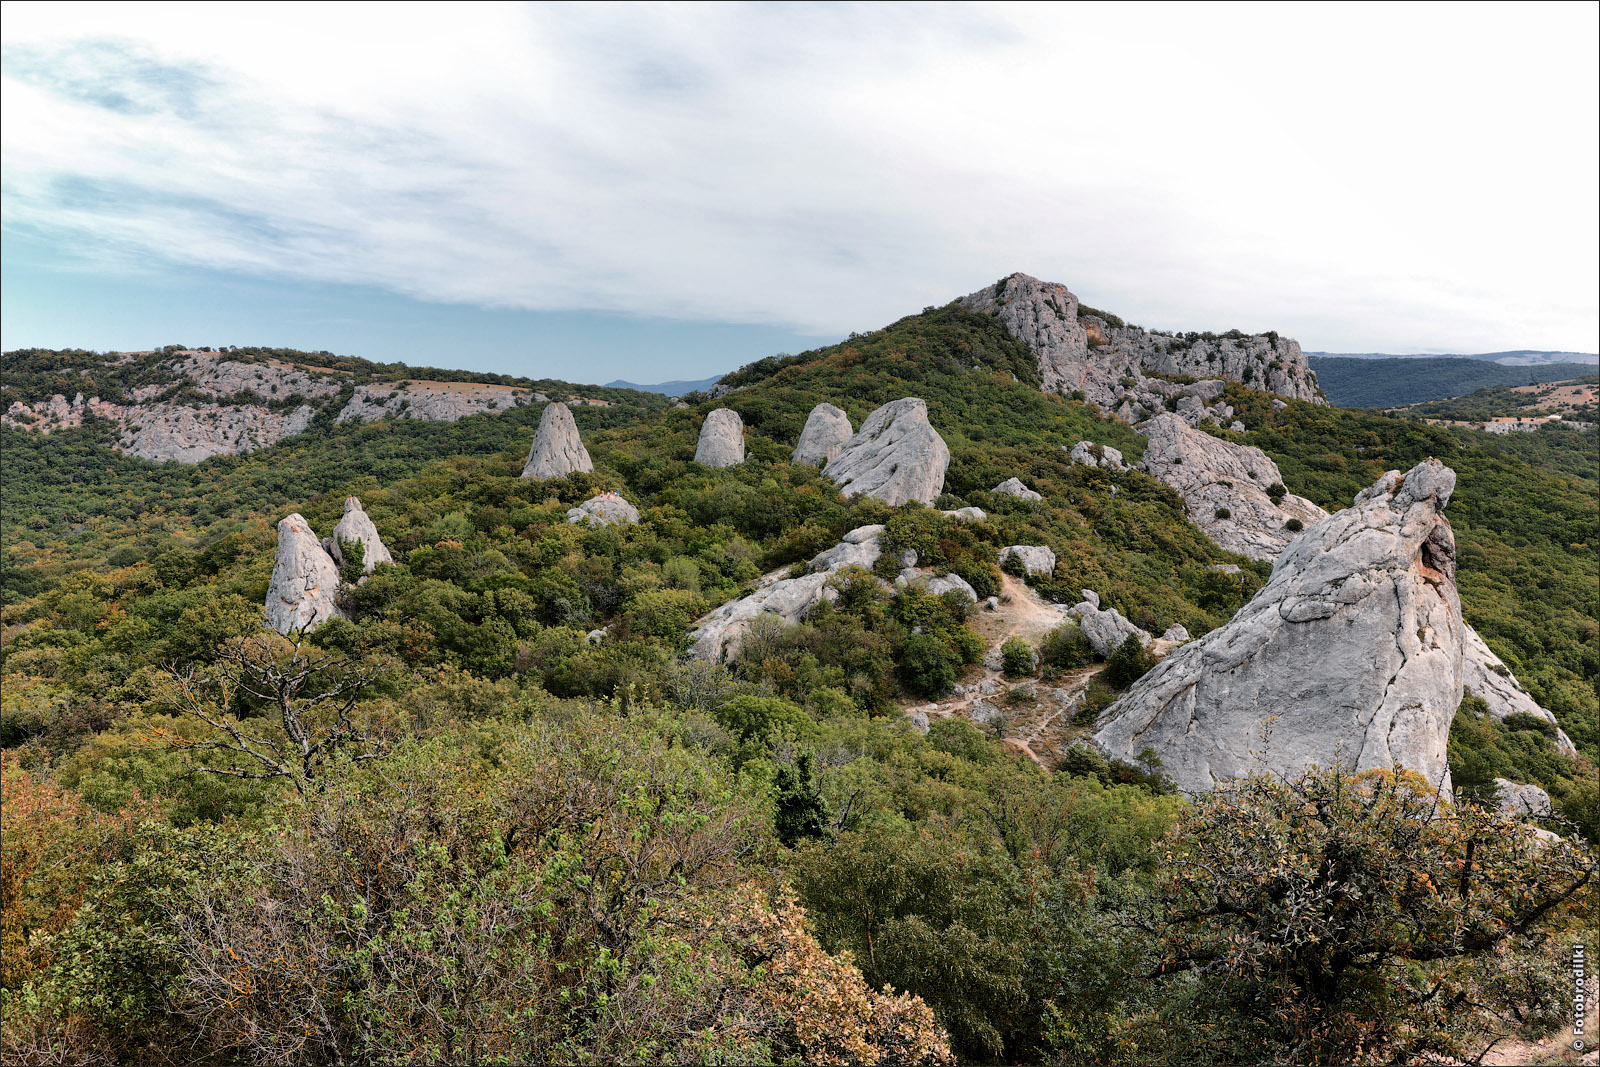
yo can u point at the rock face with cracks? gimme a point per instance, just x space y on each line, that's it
826 431
1350 655
355 525
721 440
305 581
896 456
557 449
1225 486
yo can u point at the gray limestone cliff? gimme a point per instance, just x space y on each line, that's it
721 441
557 449
1351 654
896 456
1108 361
826 431
356 525
305 580
432 401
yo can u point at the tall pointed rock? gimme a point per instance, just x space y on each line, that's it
721 440
896 456
305 580
1352 654
557 449
356 525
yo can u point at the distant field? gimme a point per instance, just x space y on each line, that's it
1352 382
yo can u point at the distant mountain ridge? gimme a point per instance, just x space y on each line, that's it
668 388
1518 357
1360 382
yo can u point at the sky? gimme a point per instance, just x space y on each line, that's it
668 191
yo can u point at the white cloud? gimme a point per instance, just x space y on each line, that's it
1359 176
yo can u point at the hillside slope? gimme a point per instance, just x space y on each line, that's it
1352 382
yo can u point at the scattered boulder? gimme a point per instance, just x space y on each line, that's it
897 456
1225 486
1090 597
721 440
918 718
557 449
1092 455
1036 559
937 585
305 580
967 514
1523 801
826 431
1279 405
1106 630
355 525
1177 633
1014 487
1350 655
721 634
607 509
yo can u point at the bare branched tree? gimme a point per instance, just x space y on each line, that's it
314 701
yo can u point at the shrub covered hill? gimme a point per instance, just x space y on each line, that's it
492 812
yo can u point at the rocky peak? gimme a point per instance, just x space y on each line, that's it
1352 653
896 456
1108 361
355 525
305 580
557 449
826 431
721 439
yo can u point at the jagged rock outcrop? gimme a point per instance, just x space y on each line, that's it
1036 559
1092 455
826 432
1225 486
1351 654
557 449
1487 677
1523 801
356 525
271 380
432 401
305 580
1014 487
896 456
1108 361
607 509
179 433
721 439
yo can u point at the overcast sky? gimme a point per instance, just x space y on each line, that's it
667 191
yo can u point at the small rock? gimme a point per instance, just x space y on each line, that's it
968 514
1091 597
1014 487
607 509
1175 632
1092 455
1236 426
1036 559
1523 801
919 720
1279 405
991 604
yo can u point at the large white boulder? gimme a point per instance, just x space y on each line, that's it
305 580
557 449
1351 654
356 525
897 456
826 431
721 440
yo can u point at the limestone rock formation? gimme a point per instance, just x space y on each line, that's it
896 456
1092 455
557 449
967 514
1523 801
1225 486
355 525
1104 628
1084 352
1036 559
1486 676
607 509
182 433
826 431
305 580
1014 487
721 440
1351 654
432 401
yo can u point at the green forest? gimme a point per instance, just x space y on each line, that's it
1353 382
496 816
